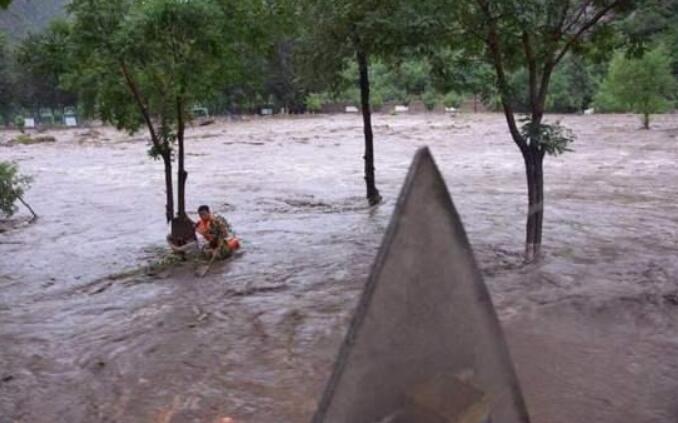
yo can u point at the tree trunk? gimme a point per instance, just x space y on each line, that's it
182 229
169 189
165 151
182 226
35 215
534 170
373 196
646 121
181 172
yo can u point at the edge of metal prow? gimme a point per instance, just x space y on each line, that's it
459 369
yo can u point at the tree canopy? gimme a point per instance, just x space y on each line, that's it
644 84
535 36
146 63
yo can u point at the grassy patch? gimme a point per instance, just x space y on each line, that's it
26 139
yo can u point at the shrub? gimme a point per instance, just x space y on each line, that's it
12 187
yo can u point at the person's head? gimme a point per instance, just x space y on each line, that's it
204 212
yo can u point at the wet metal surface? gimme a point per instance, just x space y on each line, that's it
424 344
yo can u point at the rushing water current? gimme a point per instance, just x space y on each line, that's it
592 328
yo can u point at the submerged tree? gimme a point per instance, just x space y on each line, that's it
534 35
146 63
642 85
12 187
339 32
346 30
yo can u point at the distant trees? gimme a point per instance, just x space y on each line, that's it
398 83
282 83
42 60
6 87
654 22
460 75
408 58
643 84
573 85
31 72
639 74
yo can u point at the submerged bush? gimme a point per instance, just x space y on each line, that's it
12 187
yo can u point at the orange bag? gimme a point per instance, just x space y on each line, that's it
233 243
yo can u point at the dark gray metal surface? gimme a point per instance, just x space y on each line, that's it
425 344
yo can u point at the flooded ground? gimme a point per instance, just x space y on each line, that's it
592 328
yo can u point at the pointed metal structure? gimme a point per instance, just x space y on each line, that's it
425 344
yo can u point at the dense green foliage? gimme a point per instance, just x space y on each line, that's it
12 187
6 86
389 83
147 63
526 44
403 68
573 86
153 54
32 72
42 61
644 85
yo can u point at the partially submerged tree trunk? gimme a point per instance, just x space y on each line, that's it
35 215
534 159
543 49
182 230
532 152
169 189
160 146
373 196
181 172
533 155
182 226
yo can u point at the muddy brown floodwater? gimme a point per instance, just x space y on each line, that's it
592 328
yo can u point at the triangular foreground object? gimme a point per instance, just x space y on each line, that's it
425 344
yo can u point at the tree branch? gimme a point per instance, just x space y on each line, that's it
538 112
594 20
531 68
142 107
35 216
563 17
574 21
495 53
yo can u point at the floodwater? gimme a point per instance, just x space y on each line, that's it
592 329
